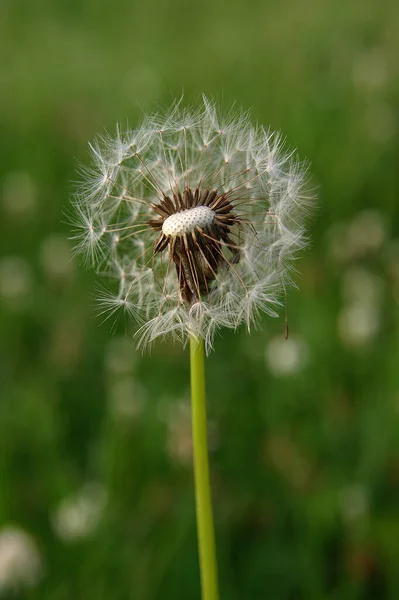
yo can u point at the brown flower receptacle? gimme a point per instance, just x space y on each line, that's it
197 251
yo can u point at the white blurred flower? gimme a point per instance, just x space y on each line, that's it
179 443
361 285
20 560
363 235
196 217
55 257
286 357
359 320
368 231
15 279
359 323
126 398
79 514
19 194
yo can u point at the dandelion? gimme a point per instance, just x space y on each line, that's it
197 218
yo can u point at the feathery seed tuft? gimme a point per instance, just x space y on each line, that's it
197 217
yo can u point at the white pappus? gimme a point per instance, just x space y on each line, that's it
197 217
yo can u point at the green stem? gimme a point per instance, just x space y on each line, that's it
205 528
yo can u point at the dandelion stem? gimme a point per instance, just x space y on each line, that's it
205 528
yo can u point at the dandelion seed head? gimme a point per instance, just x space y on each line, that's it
197 216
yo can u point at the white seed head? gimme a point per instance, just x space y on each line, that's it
20 561
197 217
78 515
186 221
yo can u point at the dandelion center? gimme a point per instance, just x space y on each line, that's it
187 220
195 226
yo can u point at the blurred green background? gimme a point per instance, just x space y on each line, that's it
96 498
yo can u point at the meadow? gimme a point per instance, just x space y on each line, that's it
96 489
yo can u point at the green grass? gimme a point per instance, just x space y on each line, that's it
305 467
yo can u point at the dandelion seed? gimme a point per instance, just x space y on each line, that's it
197 217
